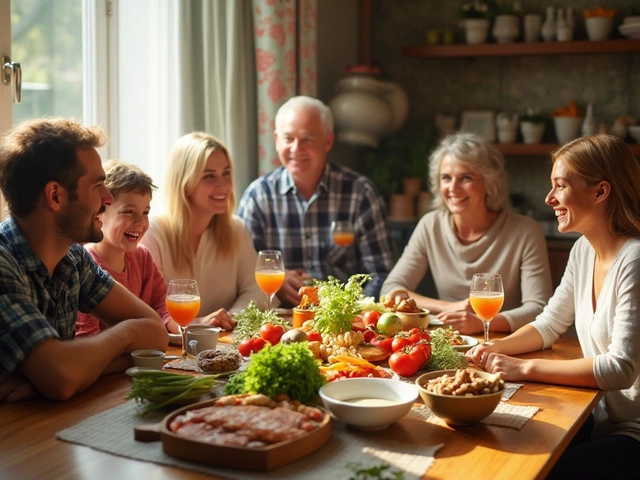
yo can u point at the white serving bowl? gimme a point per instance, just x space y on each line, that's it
599 28
338 398
634 131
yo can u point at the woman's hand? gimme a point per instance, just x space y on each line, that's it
485 356
463 321
220 318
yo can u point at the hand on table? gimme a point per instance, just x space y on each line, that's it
485 356
15 387
293 280
462 320
220 318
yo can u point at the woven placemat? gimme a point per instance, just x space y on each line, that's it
112 431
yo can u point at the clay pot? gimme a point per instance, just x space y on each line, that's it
402 206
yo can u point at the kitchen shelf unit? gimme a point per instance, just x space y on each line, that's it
577 47
522 49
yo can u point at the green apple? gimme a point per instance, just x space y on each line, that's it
389 324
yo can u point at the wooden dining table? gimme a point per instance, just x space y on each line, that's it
29 448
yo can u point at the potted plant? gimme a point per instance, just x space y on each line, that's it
475 16
532 125
506 24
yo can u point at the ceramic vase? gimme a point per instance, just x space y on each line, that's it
548 29
476 30
567 128
402 206
506 28
507 126
564 27
589 126
532 132
532 24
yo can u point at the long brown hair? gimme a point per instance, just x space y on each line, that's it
605 157
187 162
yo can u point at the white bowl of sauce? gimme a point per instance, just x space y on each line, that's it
368 403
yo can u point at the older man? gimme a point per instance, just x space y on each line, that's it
52 178
291 209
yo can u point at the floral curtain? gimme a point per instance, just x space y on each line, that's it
286 64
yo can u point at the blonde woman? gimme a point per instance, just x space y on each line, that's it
198 236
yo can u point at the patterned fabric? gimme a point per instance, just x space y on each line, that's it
34 305
286 63
278 218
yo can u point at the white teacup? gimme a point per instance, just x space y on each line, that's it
148 359
205 335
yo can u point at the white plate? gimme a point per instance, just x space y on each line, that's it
433 321
175 339
468 343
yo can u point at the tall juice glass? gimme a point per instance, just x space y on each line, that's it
183 304
486 297
270 273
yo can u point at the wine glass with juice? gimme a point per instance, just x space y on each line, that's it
342 232
486 297
183 304
270 273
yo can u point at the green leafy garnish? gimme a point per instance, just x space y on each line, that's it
443 355
251 318
282 368
157 389
338 304
378 472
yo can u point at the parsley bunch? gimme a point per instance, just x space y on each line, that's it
338 304
378 472
251 318
443 355
282 368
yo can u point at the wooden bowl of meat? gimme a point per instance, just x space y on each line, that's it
250 432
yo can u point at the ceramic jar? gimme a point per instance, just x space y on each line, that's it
506 28
532 24
567 128
367 108
548 29
564 25
532 132
507 126
476 30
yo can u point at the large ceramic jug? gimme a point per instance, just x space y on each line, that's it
367 108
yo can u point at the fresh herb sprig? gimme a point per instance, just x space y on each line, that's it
378 472
282 368
338 304
443 355
251 318
157 389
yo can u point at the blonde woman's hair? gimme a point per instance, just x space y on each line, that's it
187 162
475 151
607 158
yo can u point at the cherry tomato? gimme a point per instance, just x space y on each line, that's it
368 335
399 343
314 336
271 333
405 362
244 347
383 342
257 344
371 317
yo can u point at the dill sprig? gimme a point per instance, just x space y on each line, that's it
251 318
443 355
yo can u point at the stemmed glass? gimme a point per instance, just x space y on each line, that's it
343 234
486 297
183 304
270 273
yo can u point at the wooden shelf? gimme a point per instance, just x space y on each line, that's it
522 49
542 149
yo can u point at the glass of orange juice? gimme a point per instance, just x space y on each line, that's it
486 297
183 304
270 273
343 234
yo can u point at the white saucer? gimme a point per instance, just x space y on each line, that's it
433 321
468 343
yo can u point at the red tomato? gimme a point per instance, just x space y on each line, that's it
244 347
371 317
416 334
368 335
314 336
399 343
357 325
383 342
271 333
425 349
257 344
405 363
